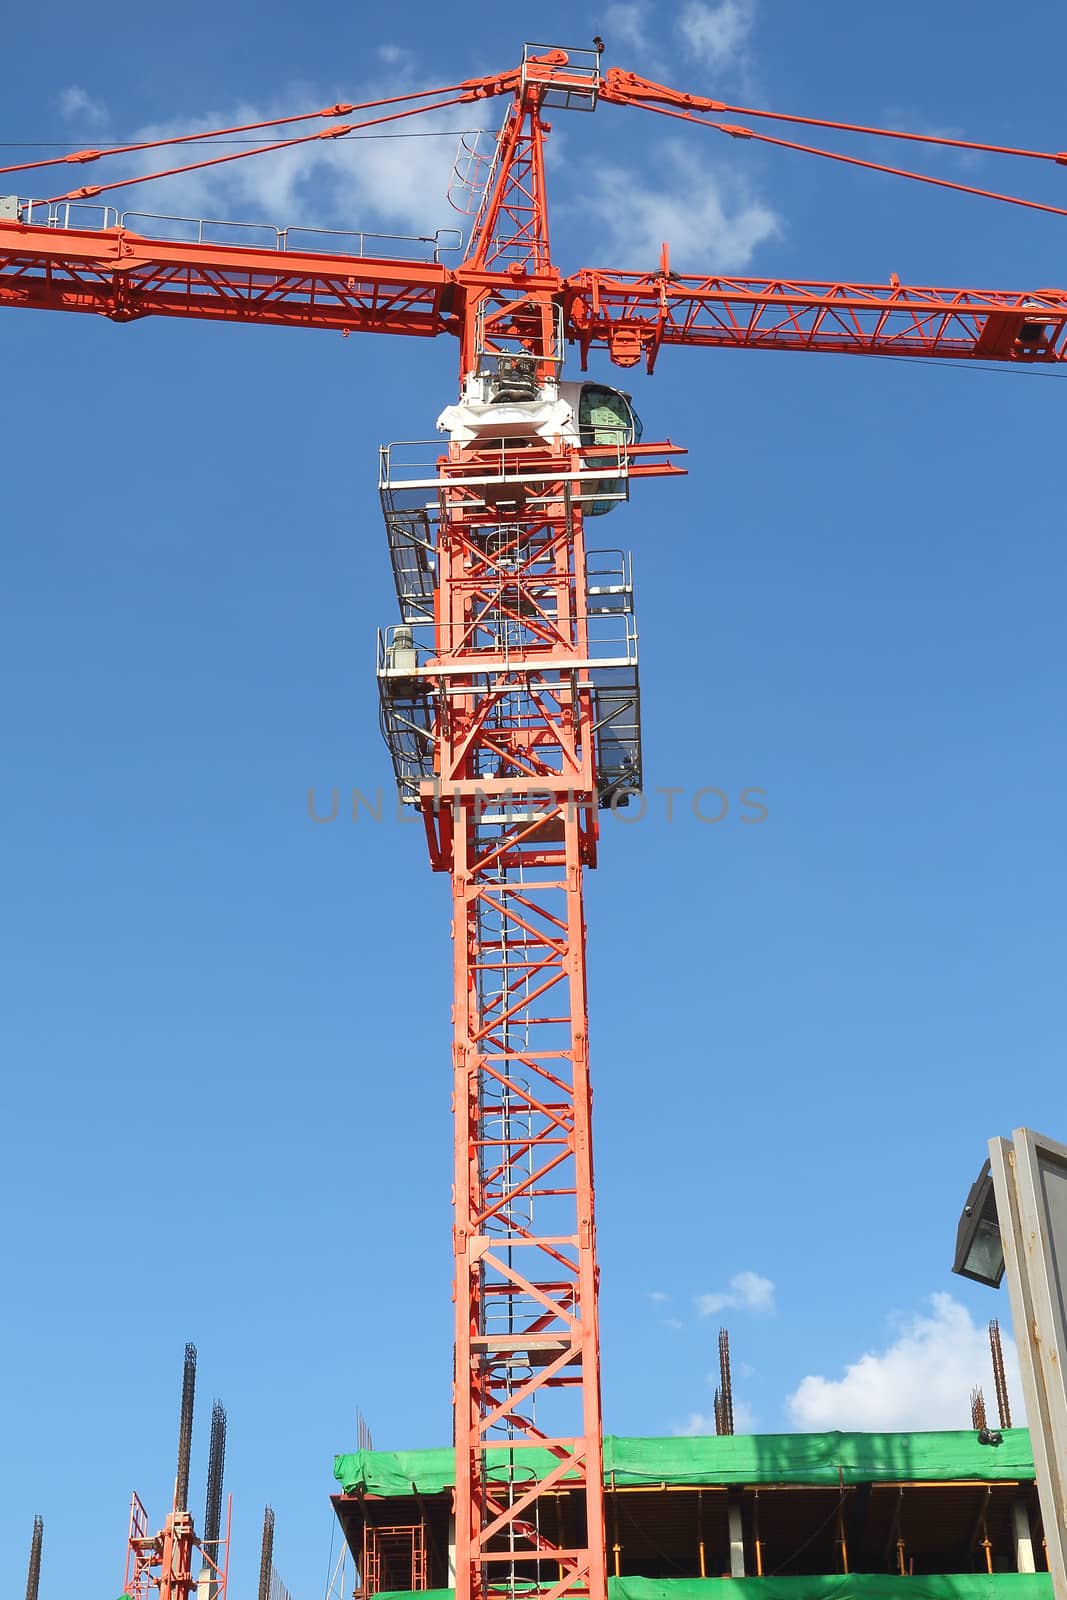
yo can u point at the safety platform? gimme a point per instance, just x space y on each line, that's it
414 684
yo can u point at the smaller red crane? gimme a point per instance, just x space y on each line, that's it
163 1563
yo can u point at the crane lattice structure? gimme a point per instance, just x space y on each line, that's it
509 688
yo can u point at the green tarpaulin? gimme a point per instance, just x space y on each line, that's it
858 1586
741 1458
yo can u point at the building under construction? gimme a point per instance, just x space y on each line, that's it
825 1514
819 1514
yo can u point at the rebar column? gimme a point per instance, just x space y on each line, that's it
266 1559
999 1377
185 1430
978 1413
33 1580
725 1414
215 1465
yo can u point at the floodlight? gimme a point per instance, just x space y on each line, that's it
979 1250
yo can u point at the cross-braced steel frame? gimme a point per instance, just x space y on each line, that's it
508 692
505 729
518 825
512 716
497 724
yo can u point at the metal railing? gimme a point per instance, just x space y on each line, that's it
612 641
602 474
493 337
79 216
573 87
471 172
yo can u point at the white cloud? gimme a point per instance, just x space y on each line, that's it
626 23
717 34
660 1299
744 1417
921 1380
712 220
711 216
387 185
902 154
699 1424
77 103
748 1291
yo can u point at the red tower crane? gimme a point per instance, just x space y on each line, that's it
509 690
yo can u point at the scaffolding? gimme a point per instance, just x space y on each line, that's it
516 620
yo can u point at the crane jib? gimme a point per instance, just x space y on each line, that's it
126 276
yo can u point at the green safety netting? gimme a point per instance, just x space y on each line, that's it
740 1458
857 1586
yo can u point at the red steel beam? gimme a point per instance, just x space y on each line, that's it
124 276
633 315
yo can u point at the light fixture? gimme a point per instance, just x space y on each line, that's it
979 1249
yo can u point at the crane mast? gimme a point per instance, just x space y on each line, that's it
509 697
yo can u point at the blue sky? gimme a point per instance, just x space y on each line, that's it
226 1029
